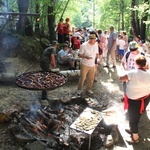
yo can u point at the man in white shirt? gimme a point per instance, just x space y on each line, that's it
88 52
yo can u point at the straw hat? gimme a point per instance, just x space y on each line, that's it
92 36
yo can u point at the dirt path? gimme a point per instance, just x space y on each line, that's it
108 90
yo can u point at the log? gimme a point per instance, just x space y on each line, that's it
16 14
70 73
7 76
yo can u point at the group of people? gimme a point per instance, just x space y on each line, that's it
137 88
136 79
134 58
63 30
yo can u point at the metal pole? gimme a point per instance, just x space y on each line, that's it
89 146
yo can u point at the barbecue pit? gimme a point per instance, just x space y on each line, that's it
40 80
53 125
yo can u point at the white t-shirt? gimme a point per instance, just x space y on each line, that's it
148 60
138 84
77 34
121 44
130 63
88 50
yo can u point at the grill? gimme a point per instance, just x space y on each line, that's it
40 80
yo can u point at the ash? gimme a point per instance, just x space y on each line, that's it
49 127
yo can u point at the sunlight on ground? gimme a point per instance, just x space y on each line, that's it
148 111
113 115
109 84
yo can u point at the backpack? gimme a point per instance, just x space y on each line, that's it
128 53
76 44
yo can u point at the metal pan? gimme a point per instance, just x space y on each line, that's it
40 80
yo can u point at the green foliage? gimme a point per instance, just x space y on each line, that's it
77 21
143 10
30 48
111 11
98 13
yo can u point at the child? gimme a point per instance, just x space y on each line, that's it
121 43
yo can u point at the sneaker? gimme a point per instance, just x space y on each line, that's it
90 92
79 92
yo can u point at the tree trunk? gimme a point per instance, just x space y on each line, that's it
138 26
51 21
23 8
143 25
37 25
122 13
133 19
137 20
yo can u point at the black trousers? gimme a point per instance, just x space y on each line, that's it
66 37
60 38
134 113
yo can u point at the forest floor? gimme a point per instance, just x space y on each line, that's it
108 89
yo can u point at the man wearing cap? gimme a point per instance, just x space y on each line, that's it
47 60
128 60
88 52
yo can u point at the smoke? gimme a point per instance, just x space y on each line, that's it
8 44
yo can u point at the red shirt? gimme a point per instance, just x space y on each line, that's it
66 28
76 43
60 28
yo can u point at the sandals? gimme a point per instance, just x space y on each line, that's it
132 141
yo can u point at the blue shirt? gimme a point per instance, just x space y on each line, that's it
112 37
61 54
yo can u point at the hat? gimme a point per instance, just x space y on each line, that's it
65 45
92 36
133 45
54 43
